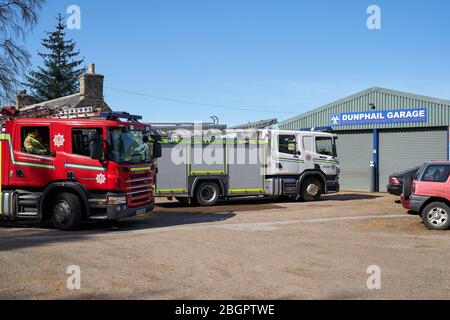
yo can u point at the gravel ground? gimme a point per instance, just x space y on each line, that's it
242 249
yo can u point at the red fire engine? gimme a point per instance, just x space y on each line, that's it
70 166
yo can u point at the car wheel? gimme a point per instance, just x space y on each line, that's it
208 194
311 190
436 216
66 212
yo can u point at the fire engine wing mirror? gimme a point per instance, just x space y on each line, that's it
157 148
95 145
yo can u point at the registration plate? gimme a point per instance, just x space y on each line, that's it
141 211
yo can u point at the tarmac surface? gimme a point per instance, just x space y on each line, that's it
241 249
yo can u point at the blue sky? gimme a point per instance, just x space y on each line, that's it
277 58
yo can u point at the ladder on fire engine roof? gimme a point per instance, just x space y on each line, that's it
65 112
263 124
171 126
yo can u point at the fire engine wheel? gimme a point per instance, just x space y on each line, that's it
207 194
311 190
66 212
436 216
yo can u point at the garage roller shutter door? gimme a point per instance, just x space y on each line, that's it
354 151
401 150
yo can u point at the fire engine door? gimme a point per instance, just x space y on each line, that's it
91 173
33 156
286 155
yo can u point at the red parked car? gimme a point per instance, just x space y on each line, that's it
430 194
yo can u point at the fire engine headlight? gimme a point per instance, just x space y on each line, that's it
117 200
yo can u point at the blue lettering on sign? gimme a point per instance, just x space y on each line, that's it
377 117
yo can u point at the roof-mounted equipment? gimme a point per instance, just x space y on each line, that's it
319 129
120 115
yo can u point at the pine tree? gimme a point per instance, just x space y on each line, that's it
17 19
59 75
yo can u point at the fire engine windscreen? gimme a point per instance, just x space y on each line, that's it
129 146
326 146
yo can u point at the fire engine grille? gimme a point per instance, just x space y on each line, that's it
139 190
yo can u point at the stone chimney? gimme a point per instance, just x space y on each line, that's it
23 99
91 85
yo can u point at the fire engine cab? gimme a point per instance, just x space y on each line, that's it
67 167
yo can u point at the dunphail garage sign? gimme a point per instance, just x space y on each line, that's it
379 116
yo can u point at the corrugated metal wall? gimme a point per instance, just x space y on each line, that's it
384 99
355 155
404 149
